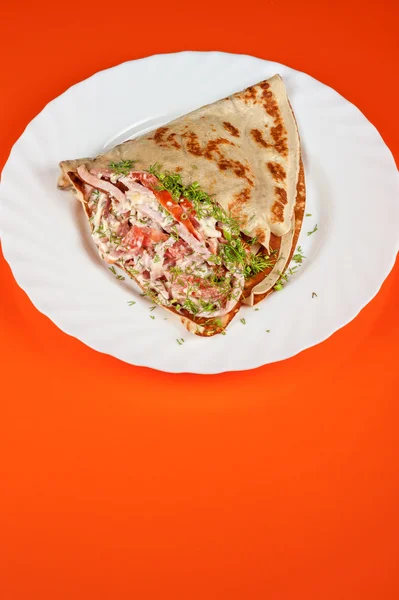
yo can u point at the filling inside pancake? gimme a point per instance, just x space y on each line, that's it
184 250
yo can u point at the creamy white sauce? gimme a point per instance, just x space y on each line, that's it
102 198
208 227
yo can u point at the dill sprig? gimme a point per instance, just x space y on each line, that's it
122 167
298 256
257 263
113 271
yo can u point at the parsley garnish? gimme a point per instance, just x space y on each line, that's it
152 317
122 167
308 215
313 230
156 258
131 303
267 330
243 321
180 342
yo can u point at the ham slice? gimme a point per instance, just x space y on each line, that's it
100 184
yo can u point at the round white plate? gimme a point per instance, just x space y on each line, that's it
352 196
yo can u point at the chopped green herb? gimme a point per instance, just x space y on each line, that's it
256 264
152 317
308 214
299 256
131 303
156 258
314 295
208 306
191 306
120 277
179 342
267 330
278 287
313 230
122 167
174 233
243 321
223 332
256 308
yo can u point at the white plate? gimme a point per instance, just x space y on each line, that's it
352 194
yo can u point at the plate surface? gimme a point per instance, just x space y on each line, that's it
352 196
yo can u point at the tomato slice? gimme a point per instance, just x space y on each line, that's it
143 237
188 207
177 211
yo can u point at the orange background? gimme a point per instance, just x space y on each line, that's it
119 482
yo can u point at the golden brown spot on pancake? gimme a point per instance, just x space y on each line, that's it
280 140
277 171
158 135
258 137
212 146
282 194
249 94
234 165
269 102
231 129
172 140
278 212
159 138
241 197
260 235
192 142
179 169
236 205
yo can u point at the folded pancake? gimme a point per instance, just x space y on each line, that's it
204 212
